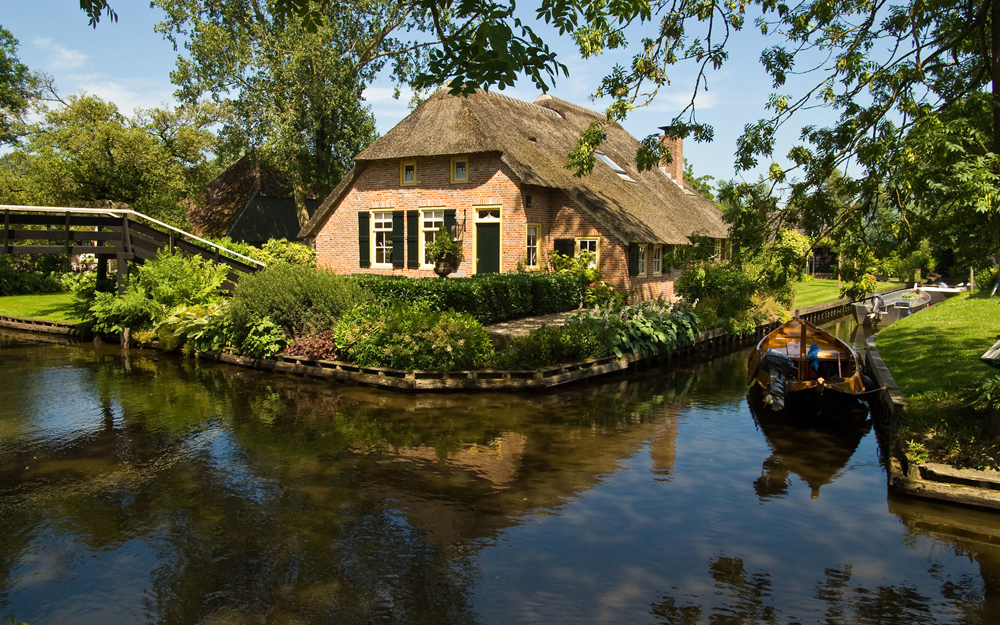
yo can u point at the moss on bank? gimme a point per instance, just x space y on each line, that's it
934 357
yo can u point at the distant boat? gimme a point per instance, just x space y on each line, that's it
804 368
890 306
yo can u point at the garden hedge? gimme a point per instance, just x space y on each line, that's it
490 298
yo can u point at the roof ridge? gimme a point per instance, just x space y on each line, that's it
443 89
549 96
531 105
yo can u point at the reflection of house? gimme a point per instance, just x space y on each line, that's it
251 202
492 170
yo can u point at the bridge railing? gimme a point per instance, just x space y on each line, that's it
59 222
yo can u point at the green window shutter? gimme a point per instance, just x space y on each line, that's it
450 221
413 239
397 238
633 259
364 238
566 247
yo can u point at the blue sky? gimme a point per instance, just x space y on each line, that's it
128 63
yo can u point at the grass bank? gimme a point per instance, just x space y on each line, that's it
817 291
934 357
50 306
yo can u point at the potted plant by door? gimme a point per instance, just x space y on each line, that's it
445 252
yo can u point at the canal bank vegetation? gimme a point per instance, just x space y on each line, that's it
374 321
953 412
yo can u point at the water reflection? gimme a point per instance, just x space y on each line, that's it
178 491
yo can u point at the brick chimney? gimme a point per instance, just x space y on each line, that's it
674 145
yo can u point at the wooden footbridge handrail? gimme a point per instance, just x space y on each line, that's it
65 210
107 233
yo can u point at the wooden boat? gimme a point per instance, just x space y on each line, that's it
890 307
809 369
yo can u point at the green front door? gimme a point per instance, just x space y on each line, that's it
487 248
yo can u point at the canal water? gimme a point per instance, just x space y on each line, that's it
163 490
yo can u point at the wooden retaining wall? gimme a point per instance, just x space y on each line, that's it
41 326
708 344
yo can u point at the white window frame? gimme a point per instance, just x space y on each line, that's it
379 219
641 261
425 230
596 250
615 167
537 246
657 260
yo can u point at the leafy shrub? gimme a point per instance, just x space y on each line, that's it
196 328
73 282
111 314
490 298
552 345
641 328
413 336
19 279
263 339
321 345
273 252
294 297
154 290
986 280
860 288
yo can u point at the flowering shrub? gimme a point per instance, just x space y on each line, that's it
860 288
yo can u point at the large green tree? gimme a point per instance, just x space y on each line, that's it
294 82
87 153
19 87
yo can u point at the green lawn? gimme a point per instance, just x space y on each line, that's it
51 306
810 292
934 357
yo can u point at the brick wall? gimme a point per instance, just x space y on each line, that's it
491 183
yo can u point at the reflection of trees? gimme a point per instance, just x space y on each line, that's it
275 498
742 597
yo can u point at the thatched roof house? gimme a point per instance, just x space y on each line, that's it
515 153
251 202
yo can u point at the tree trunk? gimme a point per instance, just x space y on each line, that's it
300 205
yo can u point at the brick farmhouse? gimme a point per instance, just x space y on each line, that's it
492 170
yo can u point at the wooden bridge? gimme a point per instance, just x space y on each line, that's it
119 234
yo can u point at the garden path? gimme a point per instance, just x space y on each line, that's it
503 333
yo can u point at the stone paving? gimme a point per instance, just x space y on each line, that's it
503 333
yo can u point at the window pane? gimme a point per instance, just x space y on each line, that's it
532 250
409 173
460 170
492 213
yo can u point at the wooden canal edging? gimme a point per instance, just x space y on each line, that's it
41 326
707 344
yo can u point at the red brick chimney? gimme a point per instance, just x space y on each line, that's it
674 145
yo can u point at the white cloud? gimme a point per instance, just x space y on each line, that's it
127 93
60 58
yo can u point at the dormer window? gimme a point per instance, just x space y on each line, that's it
459 169
408 173
615 167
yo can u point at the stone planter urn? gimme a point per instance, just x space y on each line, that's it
445 266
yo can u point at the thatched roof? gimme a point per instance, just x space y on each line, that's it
231 192
534 140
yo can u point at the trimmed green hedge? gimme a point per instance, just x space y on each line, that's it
490 298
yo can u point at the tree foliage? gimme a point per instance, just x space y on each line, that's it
18 88
294 80
87 153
